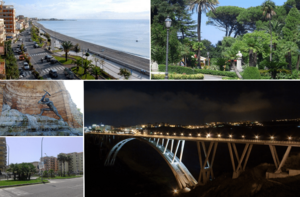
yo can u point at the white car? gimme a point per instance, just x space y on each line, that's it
26 66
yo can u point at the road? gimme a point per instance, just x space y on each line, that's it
57 187
36 55
110 67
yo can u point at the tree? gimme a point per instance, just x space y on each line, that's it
288 48
67 46
61 158
96 71
248 17
273 66
87 55
77 62
86 65
68 160
198 46
268 8
125 73
102 62
51 172
77 48
201 6
225 19
291 27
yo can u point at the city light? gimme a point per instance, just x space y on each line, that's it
230 136
256 136
154 132
290 138
175 191
243 136
174 133
181 133
167 133
160 133
190 134
272 137
199 134
219 135
208 135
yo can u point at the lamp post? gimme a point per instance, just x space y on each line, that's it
7 162
41 158
208 57
168 23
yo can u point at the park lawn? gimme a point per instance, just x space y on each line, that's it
87 76
63 59
66 177
80 73
12 182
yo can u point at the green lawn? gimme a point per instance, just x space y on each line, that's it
80 73
63 59
67 177
12 182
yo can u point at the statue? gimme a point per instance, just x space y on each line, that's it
50 104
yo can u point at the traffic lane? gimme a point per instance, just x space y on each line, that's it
60 72
59 187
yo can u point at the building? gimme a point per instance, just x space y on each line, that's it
7 12
50 163
75 165
35 163
3 154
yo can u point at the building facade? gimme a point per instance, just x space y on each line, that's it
3 154
50 163
75 165
7 12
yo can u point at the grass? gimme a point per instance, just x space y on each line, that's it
63 61
80 73
12 182
66 177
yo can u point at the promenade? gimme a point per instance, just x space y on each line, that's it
130 61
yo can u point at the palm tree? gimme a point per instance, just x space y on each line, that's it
86 65
124 72
68 159
276 27
201 6
96 71
51 172
77 62
77 48
268 8
61 158
67 46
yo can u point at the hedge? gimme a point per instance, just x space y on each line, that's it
187 70
177 76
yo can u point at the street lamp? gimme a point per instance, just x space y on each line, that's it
41 158
7 162
168 23
208 57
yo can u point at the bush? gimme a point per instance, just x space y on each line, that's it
251 73
177 76
181 70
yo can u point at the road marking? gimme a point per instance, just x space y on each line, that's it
16 191
4 193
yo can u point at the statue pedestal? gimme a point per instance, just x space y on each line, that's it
239 64
154 67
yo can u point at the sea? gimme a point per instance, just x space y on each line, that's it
120 35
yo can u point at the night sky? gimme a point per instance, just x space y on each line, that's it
131 103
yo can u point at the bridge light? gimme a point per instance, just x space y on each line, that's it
230 136
219 135
181 133
208 135
243 136
160 133
167 133
174 133
190 134
290 138
272 137
154 132
175 191
256 136
199 134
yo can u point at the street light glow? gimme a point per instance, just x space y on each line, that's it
190 134
199 134
290 138
219 135
243 136
175 191
256 136
272 137
230 135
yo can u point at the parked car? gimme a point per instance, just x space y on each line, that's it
19 52
53 61
26 66
53 73
69 74
20 71
48 58
36 46
25 49
21 57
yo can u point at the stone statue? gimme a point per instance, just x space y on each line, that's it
50 104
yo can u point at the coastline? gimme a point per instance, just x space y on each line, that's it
131 61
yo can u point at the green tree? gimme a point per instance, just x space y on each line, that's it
68 160
51 171
287 48
61 158
291 27
125 73
225 19
96 71
268 8
77 48
273 66
86 65
201 6
67 46
248 17
77 62
197 46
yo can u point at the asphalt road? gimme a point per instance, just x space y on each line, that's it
36 55
56 188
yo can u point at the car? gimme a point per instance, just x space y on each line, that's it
18 45
36 46
68 73
53 61
26 66
53 73
48 57
25 49
21 57
20 71
20 52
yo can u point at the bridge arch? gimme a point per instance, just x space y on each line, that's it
182 175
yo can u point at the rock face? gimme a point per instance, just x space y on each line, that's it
19 106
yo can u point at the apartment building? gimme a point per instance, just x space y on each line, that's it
50 163
35 163
3 154
75 165
7 12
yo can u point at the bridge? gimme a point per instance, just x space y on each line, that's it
171 148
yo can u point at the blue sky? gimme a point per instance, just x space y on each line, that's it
28 149
213 34
87 9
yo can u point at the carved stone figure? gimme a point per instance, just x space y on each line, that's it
50 104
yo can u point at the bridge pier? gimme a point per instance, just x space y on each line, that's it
205 172
278 163
237 170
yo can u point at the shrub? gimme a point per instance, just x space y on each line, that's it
251 73
180 70
178 76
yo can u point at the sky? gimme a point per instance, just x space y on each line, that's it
188 102
212 33
75 88
28 149
87 9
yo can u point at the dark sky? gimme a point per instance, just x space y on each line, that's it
190 102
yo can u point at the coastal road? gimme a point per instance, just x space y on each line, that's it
36 55
137 63
56 187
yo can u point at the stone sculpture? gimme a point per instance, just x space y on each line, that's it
50 104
